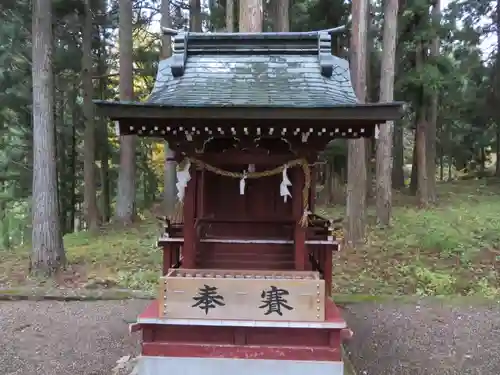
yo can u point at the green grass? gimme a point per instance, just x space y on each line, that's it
452 249
116 257
129 258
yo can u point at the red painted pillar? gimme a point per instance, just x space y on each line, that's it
188 249
312 190
200 194
328 257
298 210
167 258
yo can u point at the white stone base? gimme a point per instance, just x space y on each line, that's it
228 366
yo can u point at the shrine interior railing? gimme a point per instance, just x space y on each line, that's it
319 229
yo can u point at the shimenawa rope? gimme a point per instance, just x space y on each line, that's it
271 172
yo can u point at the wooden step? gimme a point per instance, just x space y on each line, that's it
245 256
246 264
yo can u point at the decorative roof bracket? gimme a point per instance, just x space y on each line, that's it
179 56
325 57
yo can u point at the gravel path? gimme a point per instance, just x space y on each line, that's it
66 338
425 338
87 338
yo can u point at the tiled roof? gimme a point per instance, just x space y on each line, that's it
255 70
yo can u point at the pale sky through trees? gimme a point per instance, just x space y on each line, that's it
487 45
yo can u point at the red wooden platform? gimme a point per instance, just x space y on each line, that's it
152 314
272 340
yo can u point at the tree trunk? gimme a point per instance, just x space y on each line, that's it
432 124
64 175
195 16
398 176
384 142
450 164
48 250
102 124
170 176
441 161
482 166
166 21
230 16
497 89
125 205
421 138
251 16
280 14
497 165
89 168
356 167
337 188
414 167
369 166
4 219
398 173
74 156
369 145
328 185
105 201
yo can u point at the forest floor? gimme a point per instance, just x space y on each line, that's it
450 249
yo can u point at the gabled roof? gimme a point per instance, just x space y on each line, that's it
255 70
251 79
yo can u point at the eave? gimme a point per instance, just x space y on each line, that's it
374 113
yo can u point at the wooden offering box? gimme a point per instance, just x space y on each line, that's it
243 295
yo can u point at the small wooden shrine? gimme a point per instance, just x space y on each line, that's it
247 266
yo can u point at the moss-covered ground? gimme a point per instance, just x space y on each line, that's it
448 250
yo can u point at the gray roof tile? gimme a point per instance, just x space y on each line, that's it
281 74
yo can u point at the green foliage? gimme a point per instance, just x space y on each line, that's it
429 282
462 75
455 230
15 106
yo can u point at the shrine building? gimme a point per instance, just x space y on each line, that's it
247 276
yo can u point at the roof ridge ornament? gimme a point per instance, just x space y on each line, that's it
325 57
333 30
171 32
179 55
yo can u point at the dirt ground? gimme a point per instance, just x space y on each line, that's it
87 338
